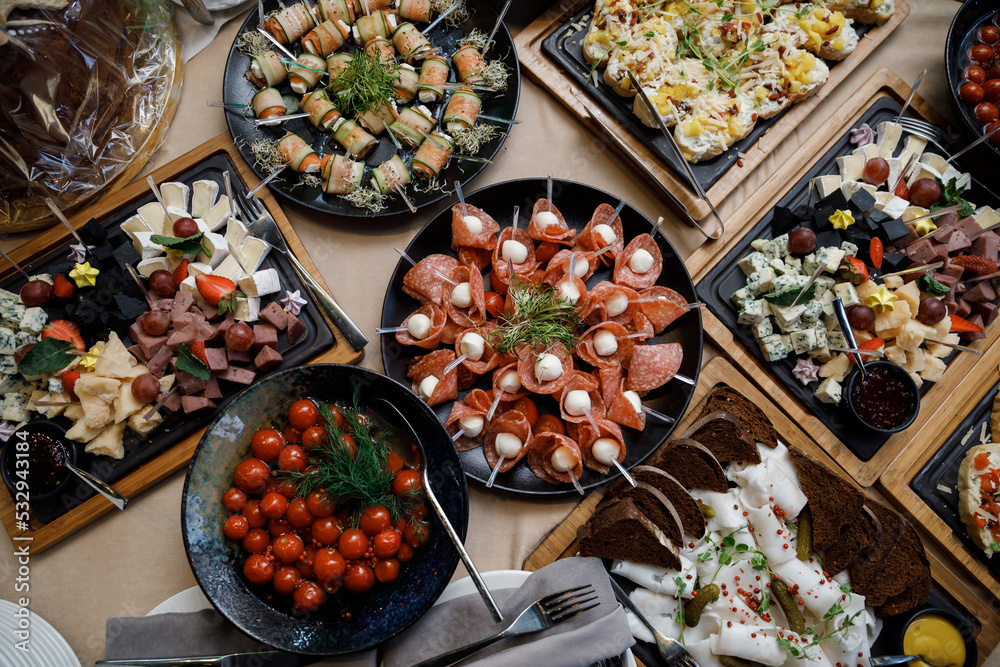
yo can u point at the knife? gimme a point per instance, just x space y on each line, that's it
255 658
198 11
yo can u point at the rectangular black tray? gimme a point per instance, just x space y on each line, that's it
176 426
716 288
565 47
942 469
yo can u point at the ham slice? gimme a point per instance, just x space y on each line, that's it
557 233
624 275
423 283
509 422
462 237
653 366
591 241
669 305
433 338
526 370
540 451
619 358
475 313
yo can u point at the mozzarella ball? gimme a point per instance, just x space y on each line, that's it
634 399
548 367
508 445
582 266
427 386
616 304
605 343
605 233
577 403
515 251
461 296
418 326
546 219
510 382
564 459
473 346
471 425
640 261
606 450
473 224
568 291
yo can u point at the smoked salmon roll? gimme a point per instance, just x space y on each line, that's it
462 110
268 103
340 174
321 110
266 70
382 48
336 10
379 23
432 156
468 64
411 44
412 124
306 72
433 77
326 38
353 138
297 154
416 10
376 120
291 23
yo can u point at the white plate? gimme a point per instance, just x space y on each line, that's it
46 646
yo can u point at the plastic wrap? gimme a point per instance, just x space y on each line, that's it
86 88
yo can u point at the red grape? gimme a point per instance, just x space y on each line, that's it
860 317
145 388
36 293
162 283
155 322
876 171
239 337
925 192
801 241
931 311
185 227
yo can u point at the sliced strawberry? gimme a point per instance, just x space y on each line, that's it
64 330
63 287
962 325
869 345
181 272
218 291
198 350
975 264
903 190
877 252
69 379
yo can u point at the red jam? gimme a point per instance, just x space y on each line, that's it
883 399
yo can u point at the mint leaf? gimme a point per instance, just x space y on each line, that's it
190 245
785 297
931 286
46 356
187 362
952 195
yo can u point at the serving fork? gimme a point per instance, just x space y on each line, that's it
263 226
671 650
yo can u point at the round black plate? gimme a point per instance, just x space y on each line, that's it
577 203
961 35
237 89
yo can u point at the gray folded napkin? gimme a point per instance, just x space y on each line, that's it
596 634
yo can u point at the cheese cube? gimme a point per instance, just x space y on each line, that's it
897 317
785 281
54 385
252 253
911 294
199 269
830 258
261 283
851 167
821 338
147 266
247 309
762 328
752 263
917 380
987 217
924 171
217 249
772 348
893 282
236 231
189 284
942 351
175 195
34 320
741 296
846 293
835 339
793 264
837 368
896 207
849 188
823 285
829 391
15 408
868 151
812 313
849 248
894 166
912 145
133 225
760 282
912 335
888 138
788 327
778 265
203 198
229 268
754 311
757 244
154 217
962 180
775 248
825 185
935 162
803 341
144 245
934 368
895 354
8 341
787 314
866 289
914 361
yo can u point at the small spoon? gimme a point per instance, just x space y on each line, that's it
886 660
838 309
106 490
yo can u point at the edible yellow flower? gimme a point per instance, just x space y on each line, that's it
90 362
84 275
842 219
882 300
924 227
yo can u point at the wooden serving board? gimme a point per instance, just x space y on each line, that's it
544 71
954 585
176 457
884 83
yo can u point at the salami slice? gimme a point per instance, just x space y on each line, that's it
586 351
598 297
463 236
624 275
610 378
490 358
525 268
509 422
620 409
499 373
422 281
589 239
588 437
669 305
558 266
526 369
479 399
477 257
466 378
582 382
461 410
433 338
433 364
449 333
475 313
540 451
653 366
559 232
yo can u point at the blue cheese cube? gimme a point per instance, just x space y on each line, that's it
829 391
7 365
754 311
788 327
821 339
12 384
787 314
778 265
25 338
830 258
741 296
34 320
836 340
847 294
823 285
54 385
849 248
8 341
786 340
757 244
15 313
772 348
812 313
775 248
44 277
760 282
793 264
15 408
752 263
762 329
803 341
809 264
8 296
788 281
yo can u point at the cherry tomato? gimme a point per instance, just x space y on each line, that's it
537 276
406 482
419 510
234 499
314 436
527 407
499 286
278 528
273 505
374 520
386 543
991 91
258 569
308 597
405 553
417 533
348 442
293 457
985 113
256 541
338 415
494 304
303 414
236 527
393 463
387 571
288 548
975 74
286 578
328 564
293 435
546 251
287 488
251 476
995 139
549 424
266 444
352 544
320 504
970 93
326 530
253 514
304 565
981 53
988 34
298 514
359 578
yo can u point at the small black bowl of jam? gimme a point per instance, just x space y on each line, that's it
886 400
34 459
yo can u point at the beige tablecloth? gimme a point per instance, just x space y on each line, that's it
128 562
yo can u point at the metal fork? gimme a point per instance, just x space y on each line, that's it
671 650
542 614
229 660
264 227
937 136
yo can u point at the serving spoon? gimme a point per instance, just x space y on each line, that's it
106 490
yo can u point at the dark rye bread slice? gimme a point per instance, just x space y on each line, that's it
752 418
656 506
914 596
723 435
692 520
692 464
853 539
623 532
902 568
867 568
833 501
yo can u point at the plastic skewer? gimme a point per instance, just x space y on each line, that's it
296 63
493 408
571 274
493 474
277 120
974 144
489 43
389 330
281 47
915 269
572 477
430 138
433 24
548 192
638 334
228 105
458 434
236 256
852 350
497 119
260 14
62 218
406 200
663 299
257 188
656 227
392 136
658 415
685 379
14 264
402 253
461 198
618 210
625 473
517 213
453 365
445 278
610 246
232 202
960 348
159 198
159 404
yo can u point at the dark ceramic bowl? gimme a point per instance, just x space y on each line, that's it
217 562
7 459
911 387
964 627
961 35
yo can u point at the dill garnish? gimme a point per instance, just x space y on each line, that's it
366 83
538 317
470 140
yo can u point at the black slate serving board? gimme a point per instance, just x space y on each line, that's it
176 426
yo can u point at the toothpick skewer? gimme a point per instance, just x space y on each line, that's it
978 278
936 214
229 195
493 473
260 14
658 415
159 404
281 47
277 120
851 350
915 269
489 42
960 348
406 200
576 482
812 279
497 119
548 192
913 90
453 365
625 473
138 281
905 172
156 193
253 191
461 198
51 404
62 218
14 264
974 144
493 408
392 136
433 24
402 253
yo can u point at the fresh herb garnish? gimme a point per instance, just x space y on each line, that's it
46 356
951 195
187 362
785 297
470 140
931 286
190 245
366 83
537 318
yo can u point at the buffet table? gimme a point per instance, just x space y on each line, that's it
127 563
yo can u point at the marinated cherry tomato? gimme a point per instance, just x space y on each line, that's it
985 113
419 510
970 93
326 530
303 414
549 424
304 564
251 476
352 544
236 527
359 578
258 569
387 571
298 514
253 514
975 74
494 304
256 541
406 482
995 139
393 463
293 435
993 69
286 578
981 53
314 436
287 489
273 505
988 34
405 553
991 91
374 520
527 407
546 251
278 528
288 547
338 415
308 596
328 564
293 457
347 441
387 543
417 533
266 443
320 504
234 499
